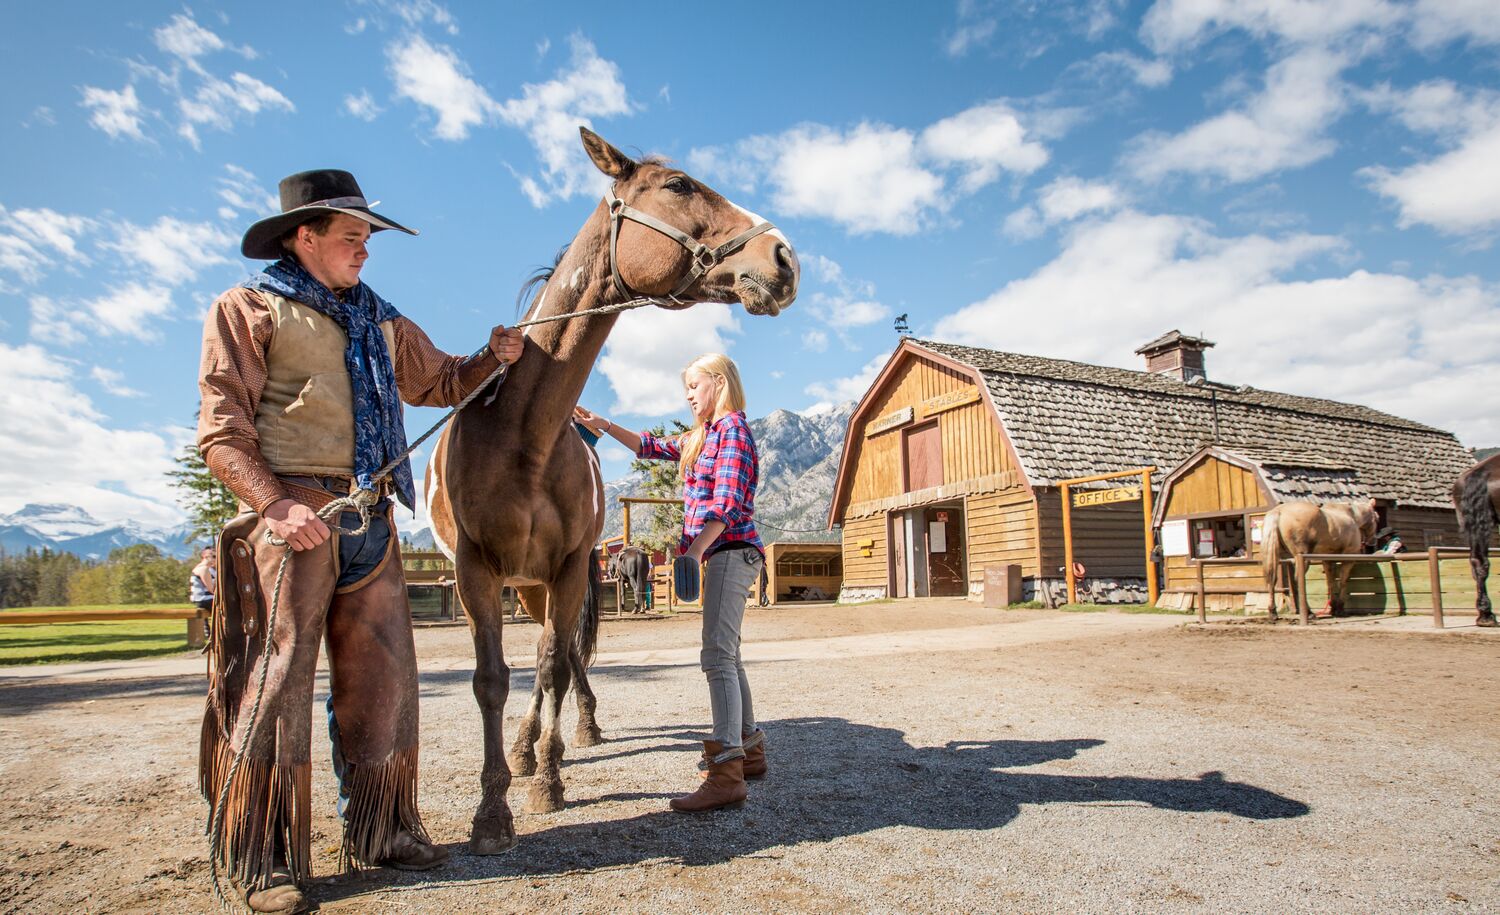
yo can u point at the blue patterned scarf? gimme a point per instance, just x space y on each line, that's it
379 434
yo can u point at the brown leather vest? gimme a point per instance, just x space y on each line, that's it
306 415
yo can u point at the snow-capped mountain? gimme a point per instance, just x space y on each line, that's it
70 529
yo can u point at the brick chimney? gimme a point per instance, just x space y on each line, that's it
1177 355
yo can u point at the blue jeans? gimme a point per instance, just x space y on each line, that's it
726 587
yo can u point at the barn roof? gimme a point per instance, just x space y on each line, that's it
1070 419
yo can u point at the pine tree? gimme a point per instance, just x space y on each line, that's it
209 503
663 523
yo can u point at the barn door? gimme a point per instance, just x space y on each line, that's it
898 555
946 569
924 456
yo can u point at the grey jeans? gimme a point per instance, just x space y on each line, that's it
726 587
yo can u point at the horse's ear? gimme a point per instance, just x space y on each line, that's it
606 158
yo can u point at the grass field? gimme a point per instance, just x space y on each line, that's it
54 643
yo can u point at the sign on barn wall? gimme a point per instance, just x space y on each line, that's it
935 405
1106 496
889 421
1174 538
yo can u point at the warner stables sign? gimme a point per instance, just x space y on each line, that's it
932 406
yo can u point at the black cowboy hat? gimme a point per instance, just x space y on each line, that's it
306 196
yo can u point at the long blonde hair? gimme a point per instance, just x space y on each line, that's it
731 397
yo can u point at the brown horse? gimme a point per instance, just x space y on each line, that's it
1294 528
1476 496
516 496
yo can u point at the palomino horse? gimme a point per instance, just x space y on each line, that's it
514 493
633 565
1294 528
1476 496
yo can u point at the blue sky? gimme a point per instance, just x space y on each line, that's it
1311 185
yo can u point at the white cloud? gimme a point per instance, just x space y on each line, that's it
1428 349
433 76
242 191
550 114
217 102
1458 191
362 106
878 178
984 139
1175 25
117 113
32 239
1152 74
184 38
840 390
1437 22
56 447
969 35
128 310
815 341
1062 200
113 382
172 251
843 304
1285 126
648 349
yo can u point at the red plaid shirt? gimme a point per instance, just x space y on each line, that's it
721 484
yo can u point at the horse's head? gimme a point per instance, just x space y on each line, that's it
672 235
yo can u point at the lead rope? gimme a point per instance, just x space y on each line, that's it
360 501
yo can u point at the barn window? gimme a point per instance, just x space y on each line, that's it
1218 538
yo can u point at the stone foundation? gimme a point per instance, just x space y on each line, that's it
849 595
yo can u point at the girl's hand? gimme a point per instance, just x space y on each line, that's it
590 420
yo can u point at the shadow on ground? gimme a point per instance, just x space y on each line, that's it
830 778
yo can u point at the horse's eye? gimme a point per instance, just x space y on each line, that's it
679 185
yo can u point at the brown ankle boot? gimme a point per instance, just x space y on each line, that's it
282 897
755 755
724 786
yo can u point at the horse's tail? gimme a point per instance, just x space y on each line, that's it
586 639
1270 552
1476 514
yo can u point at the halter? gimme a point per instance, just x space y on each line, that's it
704 258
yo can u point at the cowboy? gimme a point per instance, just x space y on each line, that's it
303 371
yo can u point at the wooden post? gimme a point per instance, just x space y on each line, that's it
1301 586
1435 568
620 597
1153 590
1067 520
626 531
1202 594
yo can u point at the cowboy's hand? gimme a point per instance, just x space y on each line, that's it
506 344
590 420
297 524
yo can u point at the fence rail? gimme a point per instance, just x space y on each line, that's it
1433 557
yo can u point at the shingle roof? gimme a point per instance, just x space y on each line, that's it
1070 419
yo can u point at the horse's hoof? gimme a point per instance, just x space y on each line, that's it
545 798
492 836
521 766
591 737
1484 622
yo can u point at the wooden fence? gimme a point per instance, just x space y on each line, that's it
1388 583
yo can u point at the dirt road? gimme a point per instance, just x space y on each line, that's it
925 756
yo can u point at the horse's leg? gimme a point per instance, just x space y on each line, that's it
587 734
522 755
1346 569
554 673
479 592
1479 564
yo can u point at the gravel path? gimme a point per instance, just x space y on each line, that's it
925 756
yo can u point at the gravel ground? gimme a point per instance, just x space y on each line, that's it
924 756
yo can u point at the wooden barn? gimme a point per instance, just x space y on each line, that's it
954 458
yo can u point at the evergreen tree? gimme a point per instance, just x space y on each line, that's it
662 527
209 503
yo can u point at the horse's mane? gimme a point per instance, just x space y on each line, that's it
526 296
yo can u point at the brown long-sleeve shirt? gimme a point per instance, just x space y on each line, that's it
233 375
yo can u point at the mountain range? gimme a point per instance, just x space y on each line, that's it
799 459
70 529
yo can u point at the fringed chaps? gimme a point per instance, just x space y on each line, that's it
267 819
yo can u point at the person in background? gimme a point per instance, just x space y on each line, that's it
719 469
201 588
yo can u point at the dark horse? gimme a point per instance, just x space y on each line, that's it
633 565
516 495
1476 496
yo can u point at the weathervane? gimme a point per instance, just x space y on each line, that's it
901 326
